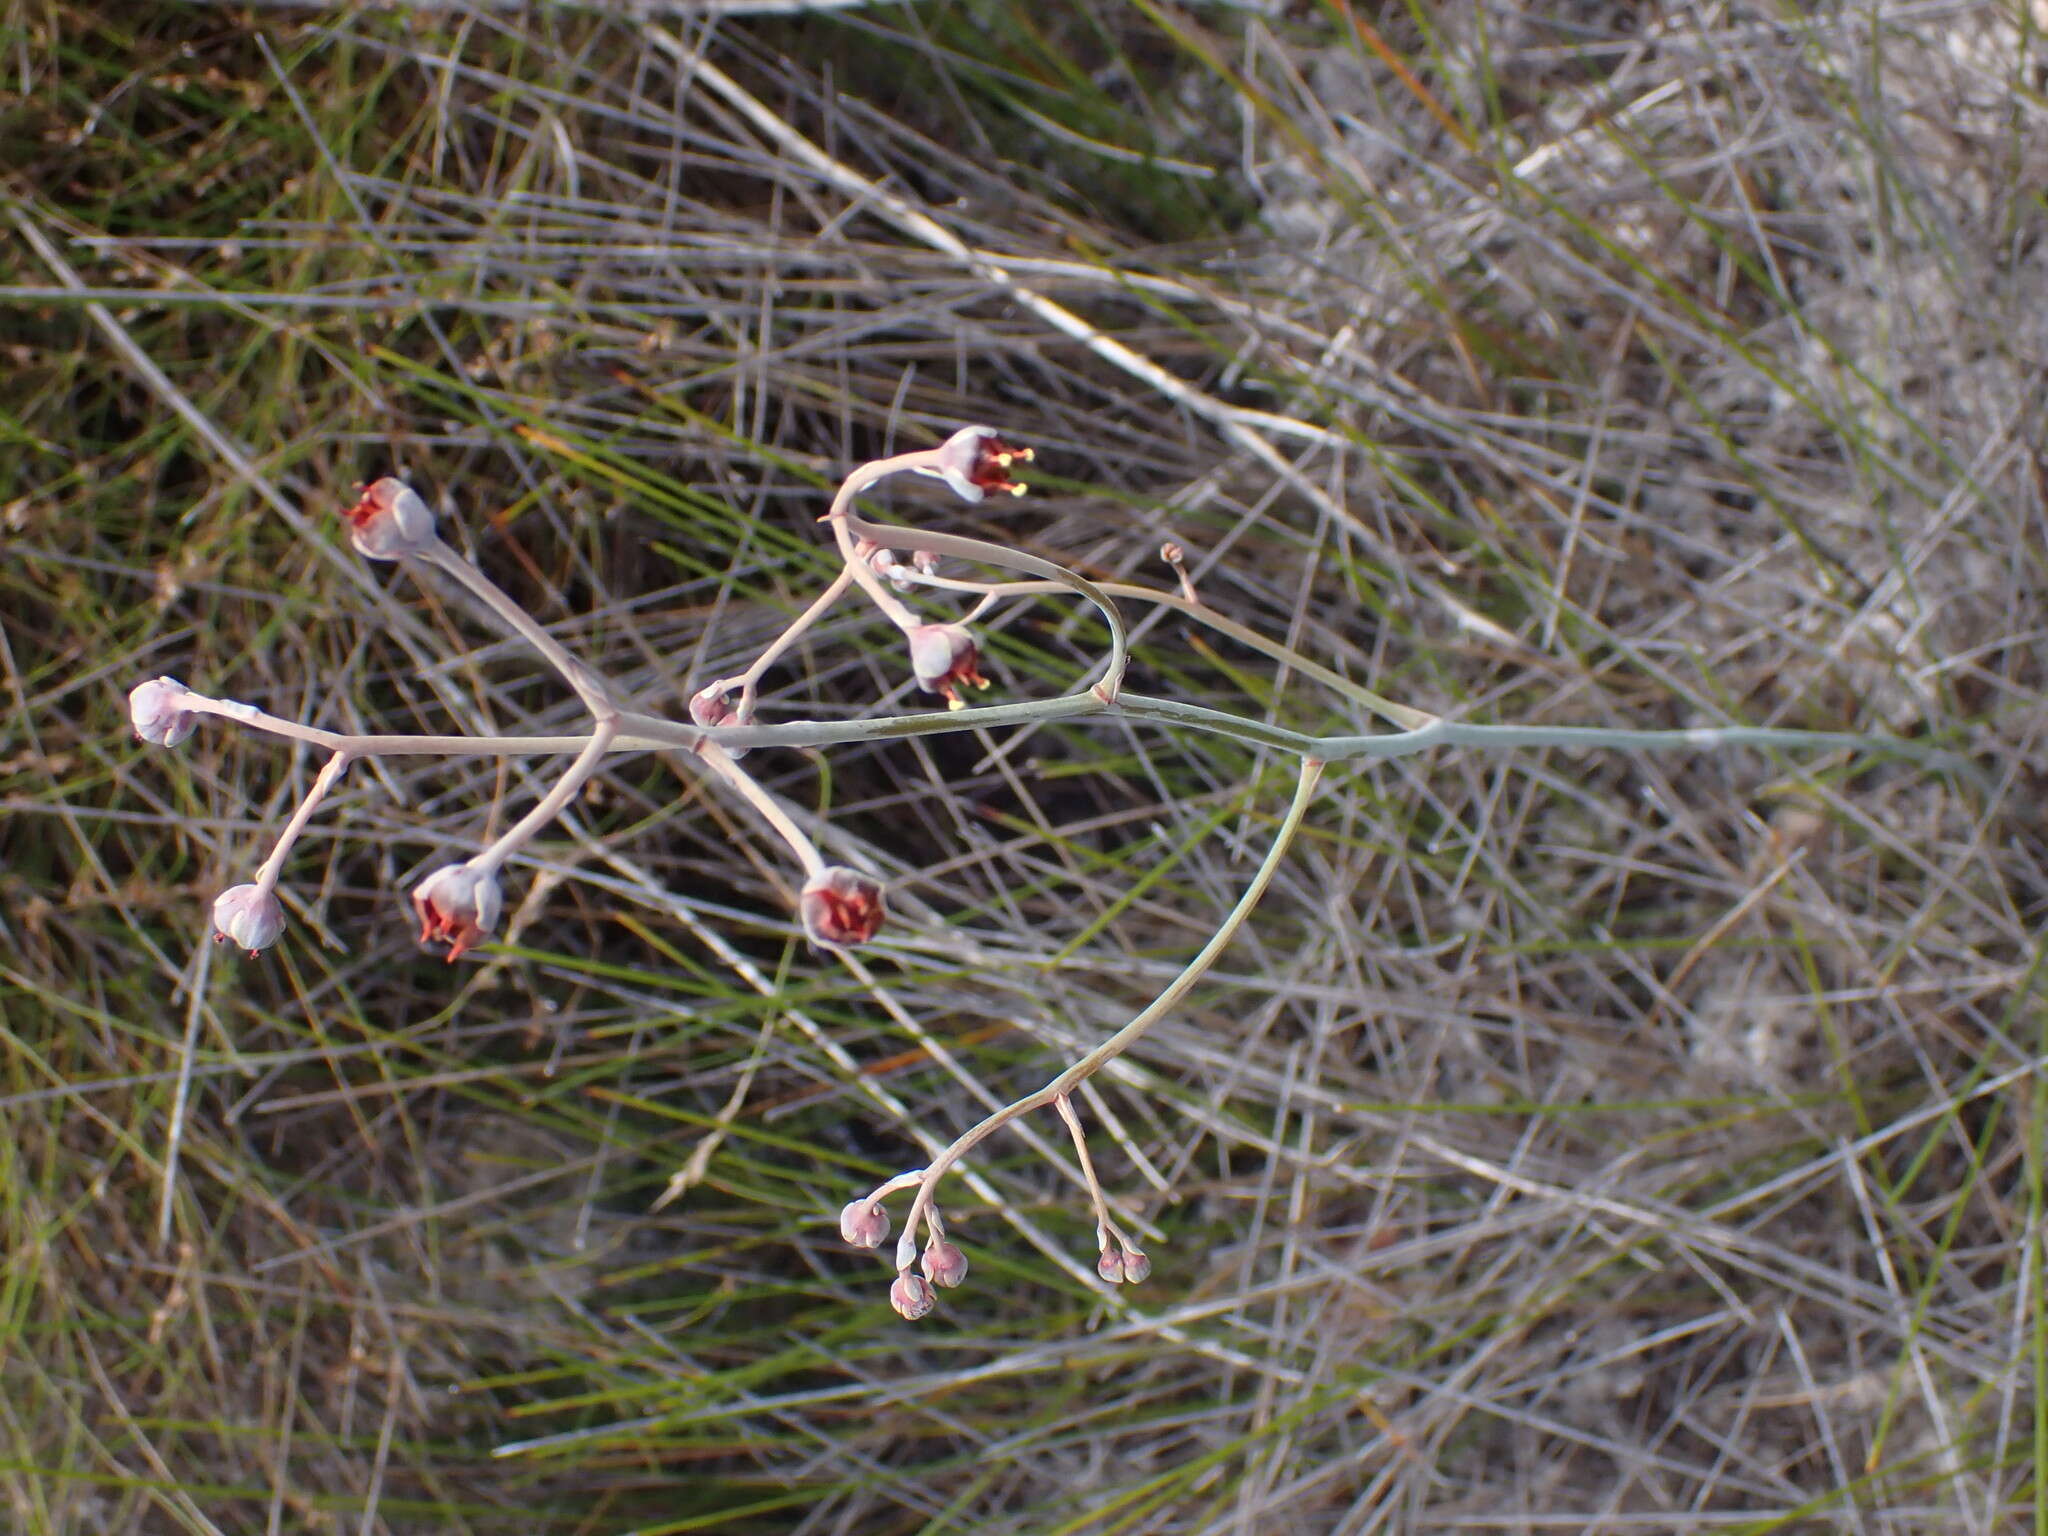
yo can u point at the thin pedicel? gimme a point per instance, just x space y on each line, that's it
459 905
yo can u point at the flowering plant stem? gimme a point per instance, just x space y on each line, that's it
460 904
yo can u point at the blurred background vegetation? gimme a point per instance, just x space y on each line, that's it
1587 1142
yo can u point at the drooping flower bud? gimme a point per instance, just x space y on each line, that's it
944 656
974 461
943 1264
912 1296
389 520
841 906
712 707
158 711
249 915
457 905
864 1223
1111 1266
1137 1268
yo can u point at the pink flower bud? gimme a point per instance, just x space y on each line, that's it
1137 1268
943 1264
1111 1266
840 906
864 1223
943 656
390 520
158 711
974 461
457 905
713 707
248 914
911 1296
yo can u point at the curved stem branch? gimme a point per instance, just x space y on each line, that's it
984 553
749 681
720 762
551 804
590 688
1386 709
1131 1033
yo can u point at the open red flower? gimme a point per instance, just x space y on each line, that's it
974 462
457 906
841 906
389 520
944 656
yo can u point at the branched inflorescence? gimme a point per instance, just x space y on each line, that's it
459 905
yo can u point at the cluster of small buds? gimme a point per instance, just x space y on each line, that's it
943 658
1123 1265
974 462
841 906
896 570
389 520
865 1224
249 915
457 905
161 711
